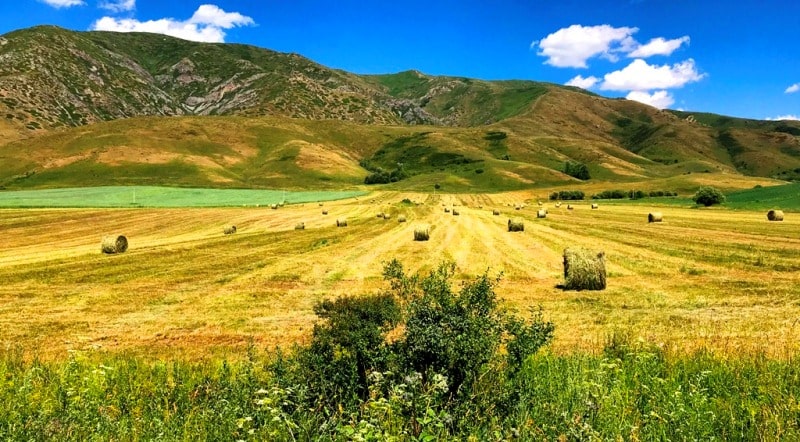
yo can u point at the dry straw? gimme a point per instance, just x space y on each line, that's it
655 217
341 222
584 269
775 215
421 233
541 213
114 244
401 219
229 230
595 206
516 225
300 226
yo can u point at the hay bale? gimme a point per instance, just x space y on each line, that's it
320 204
324 212
300 226
455 212
595 206
516 225
422 233
569 206
481 206
114 244
229 230
380 214
446 210
274 206
541 213
517 207
387 216
775 215
341 222
495 212
401 219
558 204
584 269
655 217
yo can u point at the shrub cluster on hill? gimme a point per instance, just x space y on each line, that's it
708 196
576 170
381 176
631 194
567 195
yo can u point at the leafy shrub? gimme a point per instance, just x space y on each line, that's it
567 195
610 195
576 170
708 196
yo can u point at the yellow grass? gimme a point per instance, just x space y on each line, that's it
724 280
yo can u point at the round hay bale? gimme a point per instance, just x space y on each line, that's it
655 217
516 225
387 216
481 206
455 212
320 204
300 226
517 207
446 210
274 206
539 203
595 206
380 214
401 219
558 204
229 230
422 233
569 207
584 269
114 244
495 212
541 213
775 215
324 212
341 222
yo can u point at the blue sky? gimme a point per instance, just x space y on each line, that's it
739 58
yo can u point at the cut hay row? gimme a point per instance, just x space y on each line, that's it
112 244
584 269
655 217
775 215
229 230
421 233
516 225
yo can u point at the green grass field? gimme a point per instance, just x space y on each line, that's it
152 196
786 197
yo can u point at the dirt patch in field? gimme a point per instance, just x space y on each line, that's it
320 158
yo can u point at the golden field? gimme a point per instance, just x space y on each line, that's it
719 279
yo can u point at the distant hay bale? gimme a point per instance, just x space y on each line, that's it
421 233
584 269
274 206
775 215
229 230
324 212
281 204
114 244
516 225
539 203
495 212
541 213
655 217
380 214
558 204
569 207
387 216
401 219
455 212
300 226
320 204
517 207
446 210
595 206
341 222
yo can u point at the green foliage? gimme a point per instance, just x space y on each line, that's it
708 196
610 194
767 197
567 195
576 170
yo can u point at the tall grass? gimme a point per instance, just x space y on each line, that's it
628 392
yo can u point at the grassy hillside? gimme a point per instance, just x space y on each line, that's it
786 197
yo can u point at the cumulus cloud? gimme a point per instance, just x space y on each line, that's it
785 117
583 83
64 3
573 46
207 24
118 5
793 88
658 46
659 99
641 76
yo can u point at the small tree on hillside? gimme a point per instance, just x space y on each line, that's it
576 170
708 196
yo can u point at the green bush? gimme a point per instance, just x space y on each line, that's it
708 196
576 170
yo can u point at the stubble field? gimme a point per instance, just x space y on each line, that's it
723 280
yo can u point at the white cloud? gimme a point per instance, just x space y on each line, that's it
785 117
64 3
573 46
205 25
793 88
658 46
118 5
640 76
583 83
659 99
